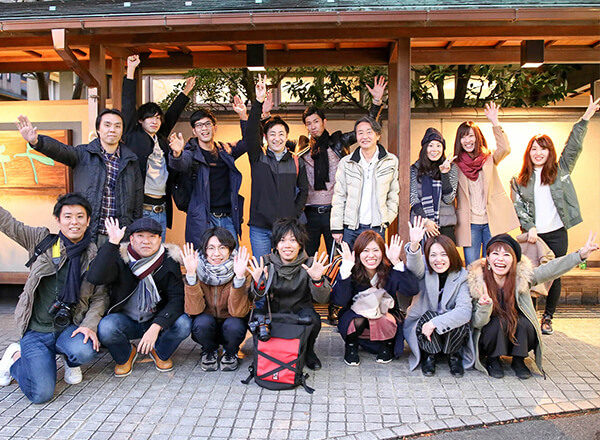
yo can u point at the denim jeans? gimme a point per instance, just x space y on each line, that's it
160 218
350 235
225 222
35 370
260 239
480 235
117 329
211 332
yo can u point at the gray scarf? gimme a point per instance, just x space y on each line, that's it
215 274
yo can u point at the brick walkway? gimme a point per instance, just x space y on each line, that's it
367 402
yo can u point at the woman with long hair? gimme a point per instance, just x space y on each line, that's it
483 209
367 285
545 199
504 320
433 184
438 319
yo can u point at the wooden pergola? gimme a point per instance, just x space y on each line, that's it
93 39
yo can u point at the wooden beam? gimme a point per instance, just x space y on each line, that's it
450 44
33 53
550 43
505 55
59 38
117 73
596 45
499 44
234 48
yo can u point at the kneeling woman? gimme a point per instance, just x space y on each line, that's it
216 296
504 319
438 320
366 287
297 279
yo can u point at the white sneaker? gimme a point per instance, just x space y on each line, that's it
6 362
73 375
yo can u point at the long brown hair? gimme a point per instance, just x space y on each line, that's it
359 272
508 314
550 169
480 142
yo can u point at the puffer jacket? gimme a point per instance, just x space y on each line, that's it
527 276
223 301
562 190
348 190
93 300
89 177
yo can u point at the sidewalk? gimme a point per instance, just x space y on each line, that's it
372 401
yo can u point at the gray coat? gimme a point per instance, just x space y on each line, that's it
456 306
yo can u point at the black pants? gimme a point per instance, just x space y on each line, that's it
315 328
494 341
449 342
317 225
558 241
448 231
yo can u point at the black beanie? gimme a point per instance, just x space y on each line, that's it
432 134
506 239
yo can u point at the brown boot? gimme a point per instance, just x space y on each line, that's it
122 370
162 366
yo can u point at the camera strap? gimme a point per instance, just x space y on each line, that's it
267 284
42 247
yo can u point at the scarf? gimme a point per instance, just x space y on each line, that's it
471 166
143 268
288 270
318 152
215 274
431 196
72 287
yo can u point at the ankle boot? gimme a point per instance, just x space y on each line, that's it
428 364
455 364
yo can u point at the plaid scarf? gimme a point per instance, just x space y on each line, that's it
143 268
215 274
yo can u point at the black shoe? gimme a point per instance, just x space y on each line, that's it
546 325
351 355
313 362
494 367
428 364
456 366
386 353
519 367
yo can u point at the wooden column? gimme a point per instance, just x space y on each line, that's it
399 126
98 69
117 73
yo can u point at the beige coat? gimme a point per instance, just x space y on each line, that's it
500 210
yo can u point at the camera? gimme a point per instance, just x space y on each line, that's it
62 314
260 326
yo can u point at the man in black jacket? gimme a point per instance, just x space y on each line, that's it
146 132
146 295
105 171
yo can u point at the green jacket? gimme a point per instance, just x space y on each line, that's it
527 277
562 190
93 300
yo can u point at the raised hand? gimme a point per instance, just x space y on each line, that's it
189 85
416 232
268 104
27 130
592 108
256 269
318 267
240 262
240 108
261 88
378 89
115 234
347 254
484 296
190 258
447 165
176 143
491 111
589 246
133 61
394 249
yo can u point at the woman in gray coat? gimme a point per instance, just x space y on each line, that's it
437 321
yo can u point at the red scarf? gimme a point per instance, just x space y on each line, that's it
471 166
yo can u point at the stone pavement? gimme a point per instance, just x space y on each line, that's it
372 401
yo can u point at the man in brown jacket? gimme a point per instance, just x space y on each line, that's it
59 310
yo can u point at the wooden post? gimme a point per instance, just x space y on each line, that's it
117 73
98 70
399 126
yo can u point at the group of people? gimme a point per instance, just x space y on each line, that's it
108 277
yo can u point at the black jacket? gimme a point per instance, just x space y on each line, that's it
279 188
109 268
141 143
89 177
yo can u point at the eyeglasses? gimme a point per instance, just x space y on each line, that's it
203 124
211 249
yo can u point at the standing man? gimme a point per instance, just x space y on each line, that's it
105 171
59 310
146 295
279 183
366 188
146 133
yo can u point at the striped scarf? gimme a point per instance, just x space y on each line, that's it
143 268
431 196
